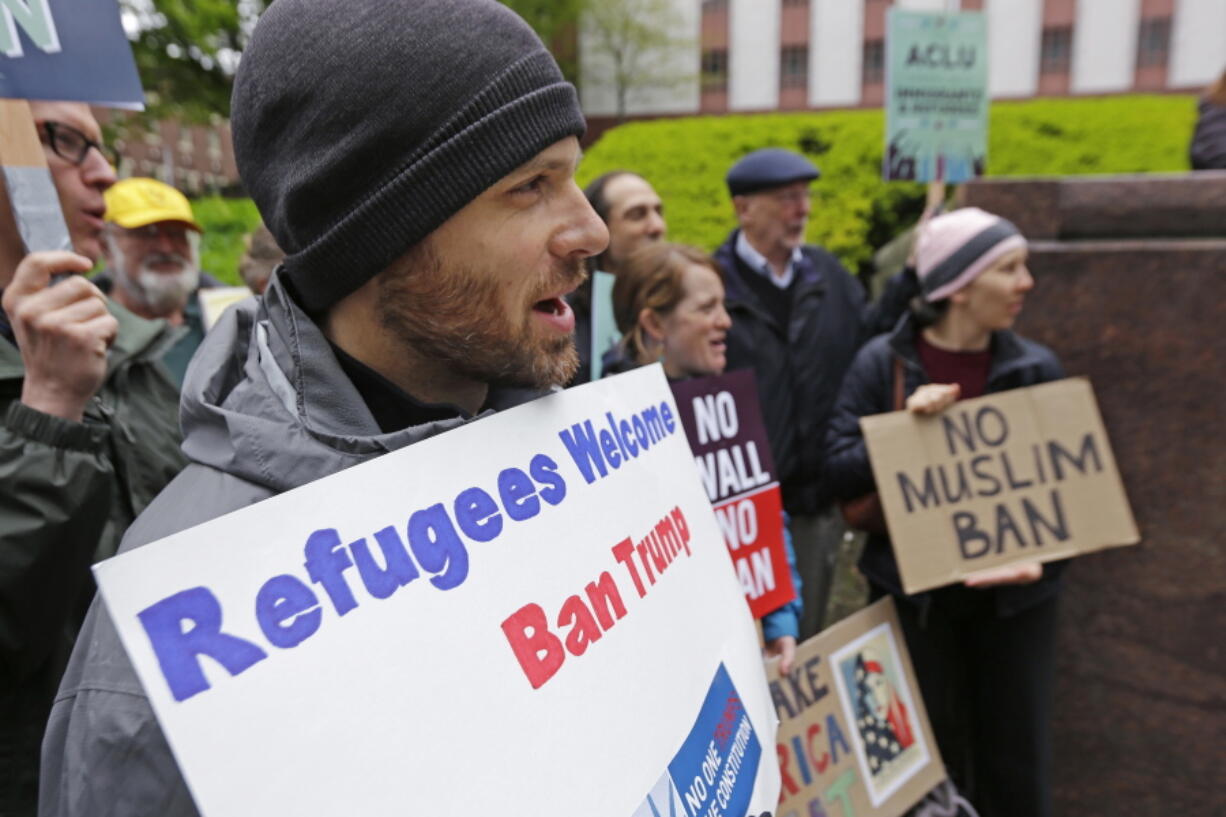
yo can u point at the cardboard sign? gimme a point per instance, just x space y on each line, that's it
936 96
67 50
216 300
854 738
31 215
1023 475
534 609
723 422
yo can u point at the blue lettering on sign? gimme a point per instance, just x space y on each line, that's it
597 450
178 649
433 541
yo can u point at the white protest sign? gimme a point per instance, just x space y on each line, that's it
534 613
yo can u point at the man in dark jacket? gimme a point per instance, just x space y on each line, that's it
432 229
798 318
88 436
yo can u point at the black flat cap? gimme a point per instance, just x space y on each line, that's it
767 168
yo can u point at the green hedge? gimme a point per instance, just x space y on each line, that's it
854 211
225 223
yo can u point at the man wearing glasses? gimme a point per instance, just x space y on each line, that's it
88 436
798 318
152 249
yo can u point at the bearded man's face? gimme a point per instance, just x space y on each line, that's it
157 265
485 292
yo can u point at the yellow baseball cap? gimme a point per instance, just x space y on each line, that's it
138 202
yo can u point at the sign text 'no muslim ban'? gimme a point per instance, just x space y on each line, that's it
723 422
854 738
1022 475
547 583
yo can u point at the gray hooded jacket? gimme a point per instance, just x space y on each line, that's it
266 408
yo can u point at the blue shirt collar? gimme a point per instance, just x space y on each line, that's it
757 262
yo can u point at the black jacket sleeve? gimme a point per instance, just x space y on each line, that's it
55 496
1208 148
865 390
882 315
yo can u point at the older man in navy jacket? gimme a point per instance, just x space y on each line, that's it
798 317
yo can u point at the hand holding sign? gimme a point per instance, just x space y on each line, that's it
1025 573
63 332
933 398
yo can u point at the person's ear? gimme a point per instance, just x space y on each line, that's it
740 204
652 325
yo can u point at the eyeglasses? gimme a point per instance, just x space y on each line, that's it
161 229
791 196
73 146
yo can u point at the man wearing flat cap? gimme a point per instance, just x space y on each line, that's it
798 318
415 161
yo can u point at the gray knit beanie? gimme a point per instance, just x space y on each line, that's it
361 126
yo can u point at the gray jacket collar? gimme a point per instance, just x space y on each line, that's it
266 400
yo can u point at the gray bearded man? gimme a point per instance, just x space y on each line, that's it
152 248
416 161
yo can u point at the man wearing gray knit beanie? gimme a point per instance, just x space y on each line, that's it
415 159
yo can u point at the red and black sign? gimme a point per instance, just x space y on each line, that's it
723 422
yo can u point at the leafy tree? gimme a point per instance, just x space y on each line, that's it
637 42
187 51
556 22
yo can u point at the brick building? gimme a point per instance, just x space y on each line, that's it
196 159
768 55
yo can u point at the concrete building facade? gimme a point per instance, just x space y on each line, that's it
766 55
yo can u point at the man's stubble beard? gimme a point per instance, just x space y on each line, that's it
455 315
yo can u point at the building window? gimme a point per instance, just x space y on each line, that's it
1056 52
715 69
874 62
795 2
794 66
1153 42
713 5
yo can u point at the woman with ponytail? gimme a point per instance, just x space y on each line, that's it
984 650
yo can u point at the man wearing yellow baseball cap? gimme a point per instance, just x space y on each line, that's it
151 245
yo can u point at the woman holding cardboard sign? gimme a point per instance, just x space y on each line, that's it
668 300
984 651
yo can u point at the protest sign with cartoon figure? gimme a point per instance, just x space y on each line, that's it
854 738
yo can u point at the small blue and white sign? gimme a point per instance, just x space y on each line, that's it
72 50
713 773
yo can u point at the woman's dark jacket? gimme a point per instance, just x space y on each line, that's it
868 389
1208 149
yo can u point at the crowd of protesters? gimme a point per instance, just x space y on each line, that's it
391 316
